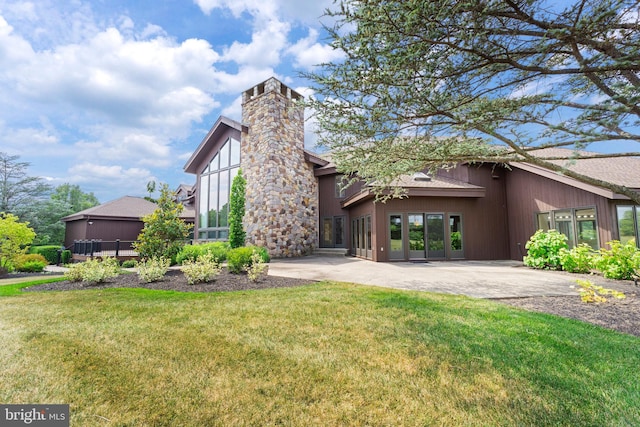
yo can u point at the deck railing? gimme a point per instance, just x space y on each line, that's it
104 248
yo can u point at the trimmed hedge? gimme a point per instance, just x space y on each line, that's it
49 252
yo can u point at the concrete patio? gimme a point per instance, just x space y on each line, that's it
480 279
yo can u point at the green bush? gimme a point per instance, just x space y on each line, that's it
93 271
66 256
621 262
577 260
191 253
543 250
239 259
130 263
30 263
204 269
153 269
50 252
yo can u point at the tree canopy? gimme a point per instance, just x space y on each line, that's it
16 238
428 84
17 189
164 232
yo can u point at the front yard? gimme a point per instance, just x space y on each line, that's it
322 354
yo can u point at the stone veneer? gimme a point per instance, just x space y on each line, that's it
282 191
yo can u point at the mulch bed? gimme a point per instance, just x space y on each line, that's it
174 280
620 315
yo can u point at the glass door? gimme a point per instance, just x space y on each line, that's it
435 236
416 236
455 236
396 243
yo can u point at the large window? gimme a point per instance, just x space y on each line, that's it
629 224
214 190
579 225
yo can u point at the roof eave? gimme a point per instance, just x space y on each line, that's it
203 148
546 173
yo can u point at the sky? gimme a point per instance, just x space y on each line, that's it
112 94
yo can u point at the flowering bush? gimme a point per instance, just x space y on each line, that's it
153 269
204 269
94 270
258 268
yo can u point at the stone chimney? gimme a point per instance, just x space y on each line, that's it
281 192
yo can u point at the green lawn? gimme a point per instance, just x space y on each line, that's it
324 354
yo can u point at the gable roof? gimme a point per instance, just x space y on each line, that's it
124 208
617 170
206 146
624 171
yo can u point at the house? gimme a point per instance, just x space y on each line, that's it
119 219
295 203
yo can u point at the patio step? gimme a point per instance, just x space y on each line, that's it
331 251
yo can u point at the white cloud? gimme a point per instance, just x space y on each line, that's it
308 52
267 43
234 110
100 178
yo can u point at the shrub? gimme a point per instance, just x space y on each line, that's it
66 256
219 251
15 237
577 260
153 269
50 252
621 262
258 268
543 250
237 234
93 271
130 263
189 253
30 263
204 269
591 293
239 259
164 232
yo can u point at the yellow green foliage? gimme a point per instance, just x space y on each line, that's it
591 293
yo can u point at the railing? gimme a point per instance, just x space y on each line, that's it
104 248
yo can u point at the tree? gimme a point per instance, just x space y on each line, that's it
237 234
74 197
164 232
429 84
16 238
45 216
17 189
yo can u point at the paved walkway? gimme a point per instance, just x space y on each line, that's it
481 279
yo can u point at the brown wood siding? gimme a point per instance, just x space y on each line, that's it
528 193
74 230
484 219
102 229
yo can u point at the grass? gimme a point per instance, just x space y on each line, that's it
324 354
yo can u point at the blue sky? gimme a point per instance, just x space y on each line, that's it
111 94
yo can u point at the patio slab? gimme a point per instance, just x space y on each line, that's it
480 279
